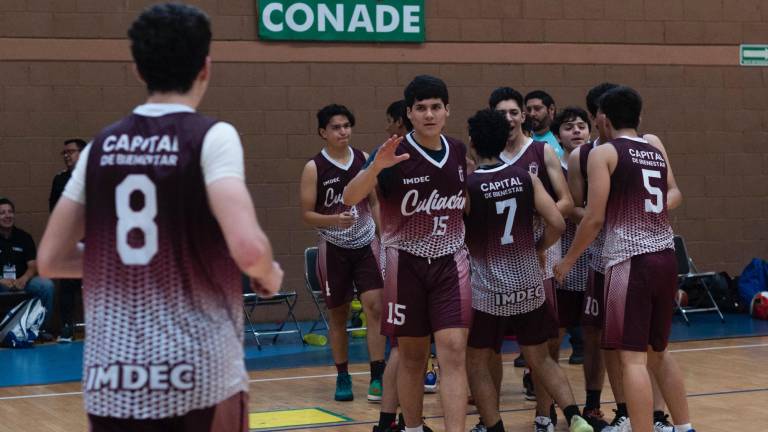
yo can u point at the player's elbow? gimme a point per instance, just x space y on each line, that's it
248 253
349 198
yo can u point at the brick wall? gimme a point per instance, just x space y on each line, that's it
712 119
707 22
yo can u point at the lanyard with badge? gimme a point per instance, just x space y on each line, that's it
9 271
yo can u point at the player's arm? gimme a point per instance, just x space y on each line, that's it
554 225
576 185
554 170
59 255
308 197
365 181
601 161
373 203
674 195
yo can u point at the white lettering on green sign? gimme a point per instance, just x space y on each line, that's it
343 20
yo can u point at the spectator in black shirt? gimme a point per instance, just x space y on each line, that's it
70 153
17 259
67 287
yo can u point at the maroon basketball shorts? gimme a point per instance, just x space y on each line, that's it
341 271
640 294
229 415
550 326
531 328
424 295
593 307
569 307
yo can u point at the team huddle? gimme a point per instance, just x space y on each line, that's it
503 237
465 244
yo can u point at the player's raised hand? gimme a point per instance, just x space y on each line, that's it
346 219
269 285
386 157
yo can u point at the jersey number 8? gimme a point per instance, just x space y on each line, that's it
129 219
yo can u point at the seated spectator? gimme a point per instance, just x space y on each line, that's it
68 288
17 258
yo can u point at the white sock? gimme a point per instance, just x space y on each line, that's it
418 428
683 427
543 420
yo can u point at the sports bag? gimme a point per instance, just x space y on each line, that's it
21 325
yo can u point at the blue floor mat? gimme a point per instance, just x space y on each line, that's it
55 363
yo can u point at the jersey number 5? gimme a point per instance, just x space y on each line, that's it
512 205
143 219
658 206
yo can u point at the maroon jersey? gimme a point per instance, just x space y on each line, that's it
422 200
531 159
636 219
506 278
596 261
162 296
332 177
576 279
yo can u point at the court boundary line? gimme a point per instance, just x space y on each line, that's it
333 375
510 410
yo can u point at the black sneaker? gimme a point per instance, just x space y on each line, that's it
528 390
44 337
520 361
662 424
553 414
401 424
66 334
577 357
595 418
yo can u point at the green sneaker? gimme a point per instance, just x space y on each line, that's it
578 424
374 391
343 387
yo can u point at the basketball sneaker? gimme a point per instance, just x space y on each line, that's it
430 377
620 423
662 424
543 424
374 391
401 424
595 418
528 391
343 388
520 361
66 334
479 427
578 424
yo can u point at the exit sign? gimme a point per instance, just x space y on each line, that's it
342 20
753 55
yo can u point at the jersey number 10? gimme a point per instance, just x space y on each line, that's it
129 219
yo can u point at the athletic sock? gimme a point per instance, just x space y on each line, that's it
377 369
683 427
386 419
658 415
498 427
621 409
593 400
570 411
342 367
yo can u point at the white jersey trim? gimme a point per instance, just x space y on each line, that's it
491 170
75 188
636 139
336 163
415 145
161 109
511 160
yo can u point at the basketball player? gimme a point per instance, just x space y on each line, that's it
161 200
348 249
538 159
597 361
507 285
420 182
628 182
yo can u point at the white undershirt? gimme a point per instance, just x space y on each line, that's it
221 155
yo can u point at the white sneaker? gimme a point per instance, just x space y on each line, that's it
543 424
663 425
619 424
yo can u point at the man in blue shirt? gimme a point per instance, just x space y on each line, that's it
541 109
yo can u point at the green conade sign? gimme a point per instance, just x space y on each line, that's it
342 20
